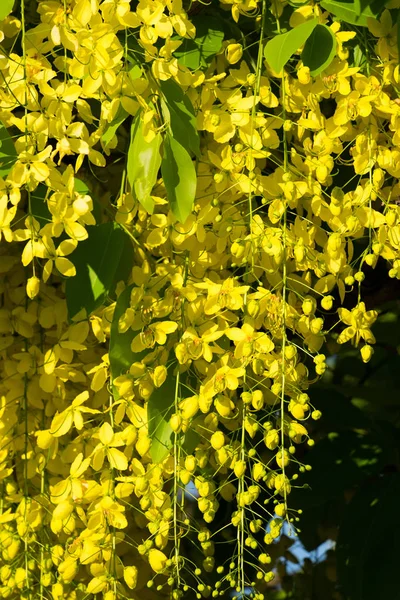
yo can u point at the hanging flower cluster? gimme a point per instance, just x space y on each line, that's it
180 218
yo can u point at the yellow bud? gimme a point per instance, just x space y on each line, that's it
20 577
371 260
366 353
282 458
264 559
96 585
327 302
185 476
258 471
189 407
316 325
309 305
271 439
290 352
359 276
190 463
32 287
255 525
391 218
130 576
208 564
287 126
5 573
257 400
280 510
57 591
175 422
282 484
157 560
143 445
217 440
234 53
303 75
239 468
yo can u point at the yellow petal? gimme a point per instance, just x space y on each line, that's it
61 423
65 267
157 560
117 459
106 434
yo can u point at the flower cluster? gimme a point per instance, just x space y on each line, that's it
128 428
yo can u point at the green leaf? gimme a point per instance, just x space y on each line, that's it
192 438
81 187
345 10
144 161
113 126
160 407
100 261
279 50
200 51
319 50
38 205
6 7
179 177
361 6
180 113
8 154
368 545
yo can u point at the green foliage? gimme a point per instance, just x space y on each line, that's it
349 11
281 48
319 50
159 409
179 177
100 261
368 546
179 114
8 154
121 355
362 5
143 163
6 7
112 128
208 41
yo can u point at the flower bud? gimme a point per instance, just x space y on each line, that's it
32 287
234 53
366 353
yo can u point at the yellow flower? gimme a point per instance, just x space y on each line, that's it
156 333
109 442
63 421
359 321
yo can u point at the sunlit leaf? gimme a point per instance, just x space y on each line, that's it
6 7
280 49
143 164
